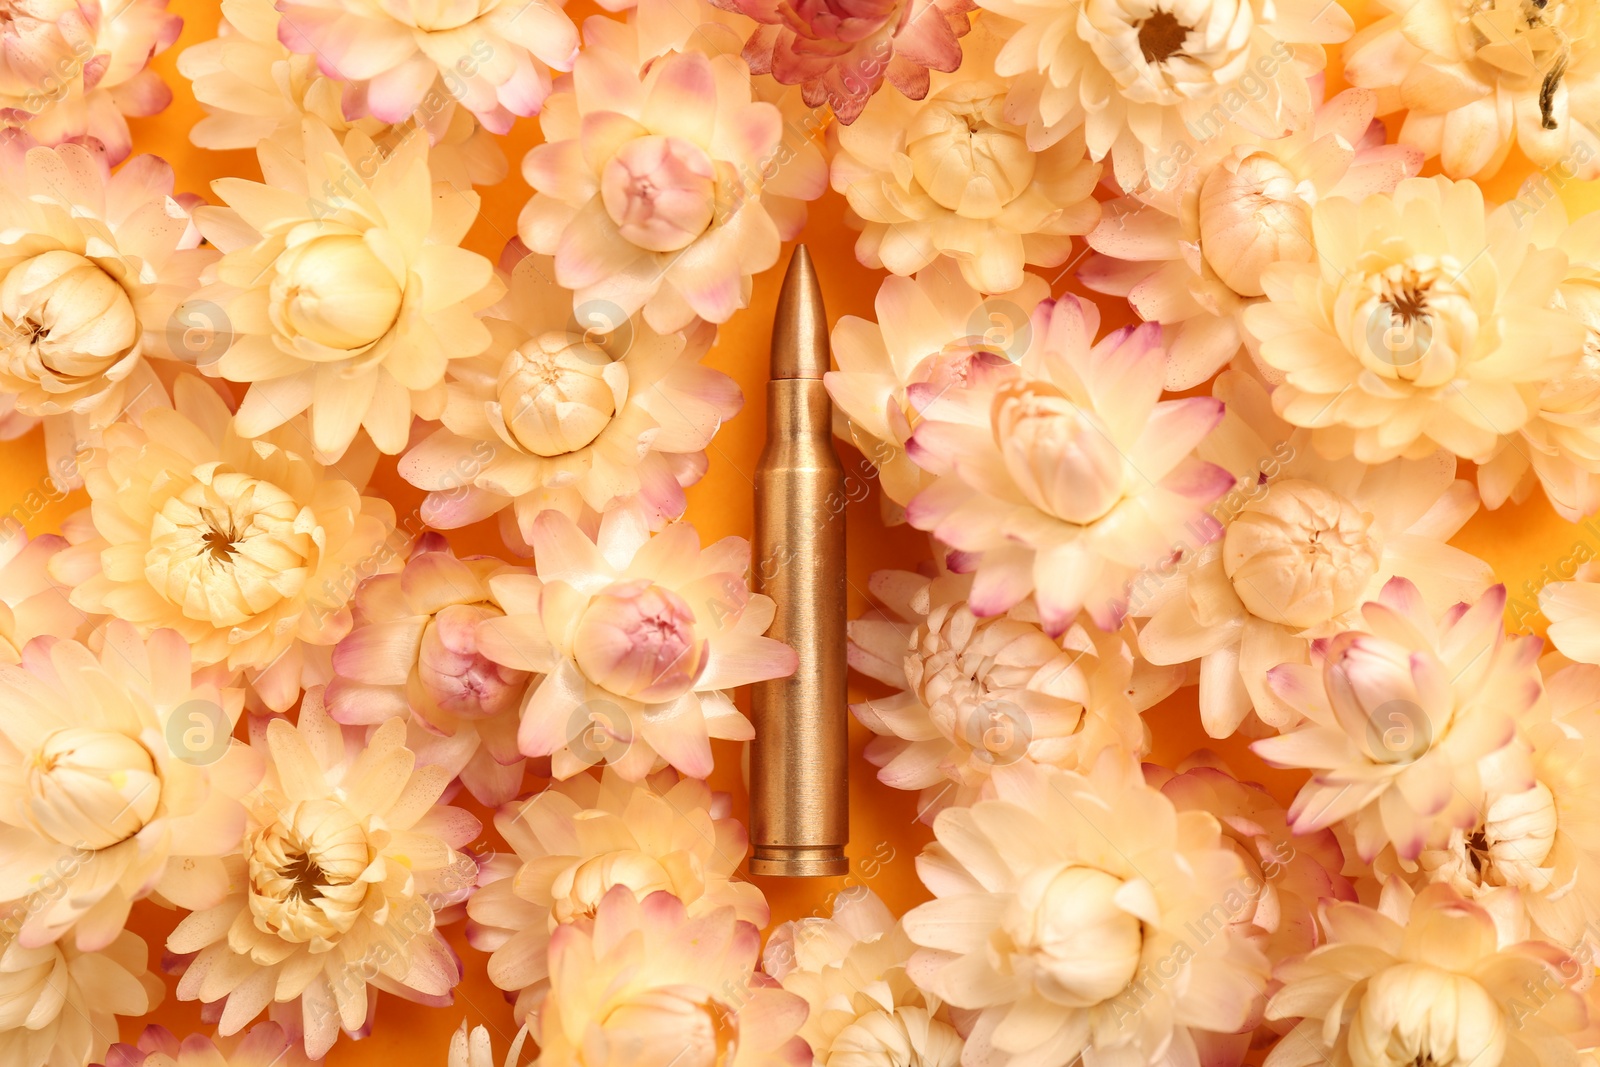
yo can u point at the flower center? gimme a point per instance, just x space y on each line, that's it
63 319
965 155
1530 42
227 550
1300 555
660 191
638 640
558 392
1084 948
1161 36
1057 453
308 870
335 293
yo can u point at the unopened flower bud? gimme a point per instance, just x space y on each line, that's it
335 292
555 394
1058 456
92 788
660 191
638 640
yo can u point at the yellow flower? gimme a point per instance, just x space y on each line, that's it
1424 322
577 412
125 784
346 858
249 549
345 288
950 175
643 985
92 267
579 839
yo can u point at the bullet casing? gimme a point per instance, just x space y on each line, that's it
799 783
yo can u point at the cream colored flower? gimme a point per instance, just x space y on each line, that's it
638 638
1479 76
415 58
1573 608
1396 717
1423 323
92 267
77 70
1081 914
254 89
1063 475
123 783
1559 448
851 970
345 288
949 175
930 330
576 412
1295 871
264 1045
658 186
1188 250
980 693
32 603
413 655
249 549
347 856
645 985
1304 541
577 840
1423 981
1149 81
59 1005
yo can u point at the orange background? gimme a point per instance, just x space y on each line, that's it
1518 541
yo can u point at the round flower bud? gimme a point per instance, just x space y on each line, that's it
699 1031
308 870
1085 946
1299 554
577 891
1413 1013
1062 460
554 394
452 671
964 154
64 320
638 640
335 292
660 191
91 788
1252 214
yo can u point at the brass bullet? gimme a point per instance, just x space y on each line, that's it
799 783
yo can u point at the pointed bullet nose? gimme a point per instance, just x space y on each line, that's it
800 328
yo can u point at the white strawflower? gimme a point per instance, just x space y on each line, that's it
1081 914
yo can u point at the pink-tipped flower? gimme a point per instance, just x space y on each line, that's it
840 52
1397 717
638 638
72 71
662 185
1065 474
414 655
419 58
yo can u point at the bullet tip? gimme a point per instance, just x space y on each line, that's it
800 328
